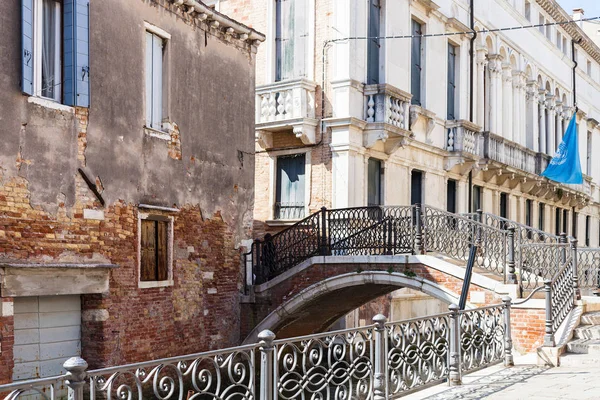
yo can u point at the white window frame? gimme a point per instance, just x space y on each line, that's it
38 50
273 179
154 284
149 106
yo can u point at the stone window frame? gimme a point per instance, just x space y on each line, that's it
148 215
273 155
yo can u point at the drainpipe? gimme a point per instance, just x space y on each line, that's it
471 91
574 72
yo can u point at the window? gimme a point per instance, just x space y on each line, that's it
541 216
589 153
565 49
155 248
589 68
565 221
477 193
290 185
557 221
291 39
528 10
559 40
587 231
416 187
374 183
451 196
416 70
154 80
54 56
451 94
504 205
549 32
574 225
529 216
542 27
373 44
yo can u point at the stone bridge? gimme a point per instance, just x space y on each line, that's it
308 276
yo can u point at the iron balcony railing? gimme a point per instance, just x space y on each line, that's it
382 360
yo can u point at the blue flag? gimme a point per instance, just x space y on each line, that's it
565 166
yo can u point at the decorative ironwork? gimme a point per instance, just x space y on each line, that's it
453 235
540 261
226 374
336 365
46 388
563 293
481 337
588 268
417 352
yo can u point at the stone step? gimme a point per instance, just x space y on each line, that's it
574 360
592 318
584 346
587 332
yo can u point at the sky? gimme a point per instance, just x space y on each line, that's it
590 7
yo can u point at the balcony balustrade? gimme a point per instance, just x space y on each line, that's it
464 137
286 105
510 153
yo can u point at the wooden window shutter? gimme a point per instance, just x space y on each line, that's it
148 251
162 250
416 66
27 46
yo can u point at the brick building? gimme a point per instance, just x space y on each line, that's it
126 180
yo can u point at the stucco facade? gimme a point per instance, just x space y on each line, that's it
77 182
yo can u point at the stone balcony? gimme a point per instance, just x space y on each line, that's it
387 112
464 142
510 155
286 106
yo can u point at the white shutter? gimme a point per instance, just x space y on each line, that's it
149 95
157 55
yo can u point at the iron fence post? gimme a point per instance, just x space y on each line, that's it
511 277
508 356
380 375
549 336
388 250
454 375
324 250
266 348
76 377
420 247
478 230
258 269
574 270
563 239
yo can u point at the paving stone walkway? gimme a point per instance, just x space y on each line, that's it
522 382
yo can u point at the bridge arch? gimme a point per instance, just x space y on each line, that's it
315 308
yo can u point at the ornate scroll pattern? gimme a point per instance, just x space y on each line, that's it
338 365
588 267
275 255
481 337
563 293
417 352
370 230
541 261
453 235
222 375
46 389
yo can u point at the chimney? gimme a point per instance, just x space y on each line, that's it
578 14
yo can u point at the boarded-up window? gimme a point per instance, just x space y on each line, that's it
154 249
291 39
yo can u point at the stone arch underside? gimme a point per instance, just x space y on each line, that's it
317 307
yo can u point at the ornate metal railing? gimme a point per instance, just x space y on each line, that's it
417 352
563 294
482 333
588 267
540 261
383 360
453 235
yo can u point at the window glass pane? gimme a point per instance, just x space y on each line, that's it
451 196
157 60
416 187
50 50
451 93
374 183
148 79
290 185
373 44
416 66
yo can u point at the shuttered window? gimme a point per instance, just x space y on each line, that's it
373 44
416 70
291 39
451 93
55 50
374 195
154 250
290 187
154 80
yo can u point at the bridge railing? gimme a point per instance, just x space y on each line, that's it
381 361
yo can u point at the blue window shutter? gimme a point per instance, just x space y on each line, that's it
27 46
76 53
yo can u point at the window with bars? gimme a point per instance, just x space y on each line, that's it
290 187
154 248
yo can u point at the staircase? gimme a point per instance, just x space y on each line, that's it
584 348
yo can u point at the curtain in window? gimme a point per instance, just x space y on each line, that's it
290 187
49 44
